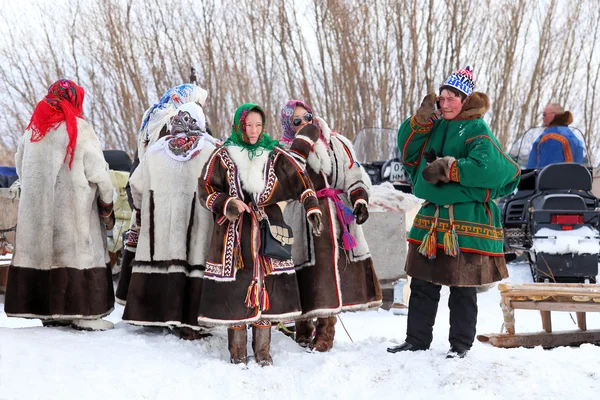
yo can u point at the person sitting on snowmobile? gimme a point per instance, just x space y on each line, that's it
557 143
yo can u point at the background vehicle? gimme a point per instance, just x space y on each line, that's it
553 217
377 151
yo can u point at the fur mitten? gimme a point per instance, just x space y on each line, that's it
316 222
311 131
438 172
361 213
427 109
231 211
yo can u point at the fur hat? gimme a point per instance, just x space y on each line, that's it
462 80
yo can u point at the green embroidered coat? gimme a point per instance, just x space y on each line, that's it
481 173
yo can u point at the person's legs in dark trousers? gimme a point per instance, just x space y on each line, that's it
422 309
463 316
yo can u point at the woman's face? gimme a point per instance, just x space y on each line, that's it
450 104
254 126
299 112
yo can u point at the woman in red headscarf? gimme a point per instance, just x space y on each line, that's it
59 272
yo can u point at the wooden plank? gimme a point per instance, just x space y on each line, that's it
535 286
552 292
509 316
581 322
546 321
555 339
555 306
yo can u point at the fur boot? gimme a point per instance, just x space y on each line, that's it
186 333
261 345
325 334
237 340
304 332
92 324
125 277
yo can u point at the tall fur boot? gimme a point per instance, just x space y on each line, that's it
237 340
304 332
325 334
125 278
261 345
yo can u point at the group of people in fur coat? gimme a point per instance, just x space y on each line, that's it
195 257
192 256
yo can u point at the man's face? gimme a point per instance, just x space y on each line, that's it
450 104
548 115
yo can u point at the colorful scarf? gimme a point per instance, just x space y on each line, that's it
287 112
238 132
64 102
160 113
344 214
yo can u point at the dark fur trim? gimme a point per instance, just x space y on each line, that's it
564 119
151 227
188 238
475 106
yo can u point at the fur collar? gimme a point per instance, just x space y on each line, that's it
319 158
564 119
476 105
250 172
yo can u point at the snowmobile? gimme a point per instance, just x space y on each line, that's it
553 218
377 151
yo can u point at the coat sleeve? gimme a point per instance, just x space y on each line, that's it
96 167
136 183
412 139
212 185
486 164
295 181
357 183
19 155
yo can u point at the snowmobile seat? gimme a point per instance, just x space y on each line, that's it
564 176
118 160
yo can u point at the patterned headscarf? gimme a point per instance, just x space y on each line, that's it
160 113
287 112
238 132
64 102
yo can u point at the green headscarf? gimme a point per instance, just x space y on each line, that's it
238 132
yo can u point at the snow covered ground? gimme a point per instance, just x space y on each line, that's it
137 363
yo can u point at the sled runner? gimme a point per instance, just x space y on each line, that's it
546 297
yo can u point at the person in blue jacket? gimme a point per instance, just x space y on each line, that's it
557 143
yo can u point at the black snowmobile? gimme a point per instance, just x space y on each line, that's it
553 218
377 151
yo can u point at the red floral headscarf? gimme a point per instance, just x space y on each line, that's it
64 102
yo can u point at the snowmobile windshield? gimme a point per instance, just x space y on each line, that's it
521 148
376 144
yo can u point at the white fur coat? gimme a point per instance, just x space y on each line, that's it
173 185
58 223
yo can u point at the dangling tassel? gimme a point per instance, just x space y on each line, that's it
451 237
428 247
237 257
348 216
264 300
252 296
349 241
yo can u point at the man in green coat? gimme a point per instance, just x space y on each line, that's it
458 168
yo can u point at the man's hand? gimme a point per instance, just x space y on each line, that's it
316 223
234 208
438 172
427 109
109 221
430 156
361 213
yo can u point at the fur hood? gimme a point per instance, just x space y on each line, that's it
564 119
476 105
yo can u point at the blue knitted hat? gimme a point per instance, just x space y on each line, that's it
462 80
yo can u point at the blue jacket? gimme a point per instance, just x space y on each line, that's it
556 144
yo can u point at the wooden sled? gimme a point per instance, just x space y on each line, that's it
546 297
